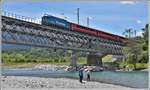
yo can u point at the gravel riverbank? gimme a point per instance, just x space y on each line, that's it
29 83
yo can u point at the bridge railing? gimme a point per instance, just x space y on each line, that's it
20 17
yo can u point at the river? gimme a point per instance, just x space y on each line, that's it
134 79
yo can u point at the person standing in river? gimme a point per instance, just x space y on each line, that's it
81 75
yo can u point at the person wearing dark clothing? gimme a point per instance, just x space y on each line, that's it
81 75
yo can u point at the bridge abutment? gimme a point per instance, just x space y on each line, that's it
94 60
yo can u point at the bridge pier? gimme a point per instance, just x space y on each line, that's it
95 60
73 61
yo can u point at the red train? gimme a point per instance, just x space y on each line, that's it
97 33
55 21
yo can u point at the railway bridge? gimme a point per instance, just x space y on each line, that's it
25 31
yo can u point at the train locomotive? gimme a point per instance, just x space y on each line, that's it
49 20
55 21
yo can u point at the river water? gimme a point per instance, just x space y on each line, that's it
134 79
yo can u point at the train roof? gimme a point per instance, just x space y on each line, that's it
47 15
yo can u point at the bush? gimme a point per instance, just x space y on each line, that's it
49 60
12 60
28 60
130 66
19 57
34 60
62 60
145 47
56 60
142 65
5 58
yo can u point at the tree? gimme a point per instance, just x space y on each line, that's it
5 58
144 58
12 57
137 49
128 33
145 44
19 58
133 52
145 32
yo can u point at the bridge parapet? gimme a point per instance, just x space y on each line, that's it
20 17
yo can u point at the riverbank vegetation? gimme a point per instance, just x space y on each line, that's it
136 51
29 57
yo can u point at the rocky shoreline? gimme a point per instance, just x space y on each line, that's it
20 82
68 68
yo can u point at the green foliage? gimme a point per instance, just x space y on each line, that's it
129 33
62 60
137 50
133 53
126 65
145 47
142 65
123 64
82 60
19 58
144 58
56 60
107 58
145 44
145 32
33 55
5 57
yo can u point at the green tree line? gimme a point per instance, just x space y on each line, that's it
136 51
32 55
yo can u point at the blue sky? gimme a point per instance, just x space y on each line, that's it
113 17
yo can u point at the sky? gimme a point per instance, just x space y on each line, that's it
110 16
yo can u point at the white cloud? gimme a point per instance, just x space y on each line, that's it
139 33
62 16
139 21
127 2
